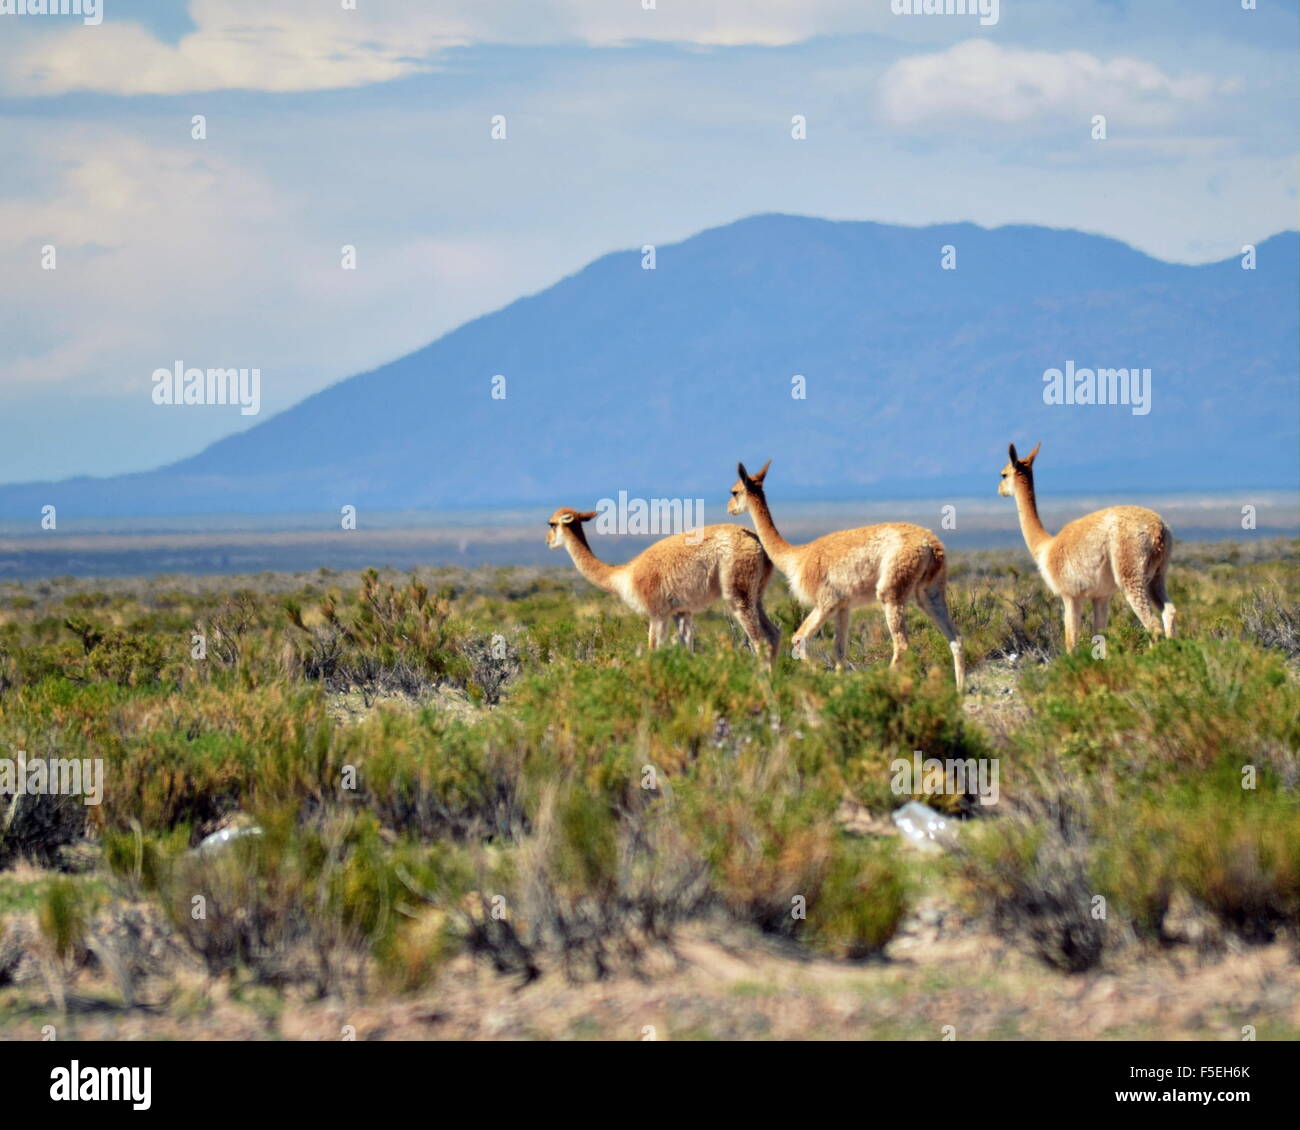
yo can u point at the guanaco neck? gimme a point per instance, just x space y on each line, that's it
774 545
1036 536
586 562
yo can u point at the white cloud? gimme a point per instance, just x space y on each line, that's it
978 80
300 45
165 254
282 47
304 45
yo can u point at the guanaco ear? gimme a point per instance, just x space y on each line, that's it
761 473
1029 459
586 517
744 475
566 518
1011 450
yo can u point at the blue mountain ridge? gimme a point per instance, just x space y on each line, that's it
657 382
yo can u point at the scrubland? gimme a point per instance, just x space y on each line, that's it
482 809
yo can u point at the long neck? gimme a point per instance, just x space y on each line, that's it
1036 536
775 546
586 562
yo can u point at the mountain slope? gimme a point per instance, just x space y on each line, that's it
656 382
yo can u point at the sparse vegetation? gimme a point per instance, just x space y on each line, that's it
487 767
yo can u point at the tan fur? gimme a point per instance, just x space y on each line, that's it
1120 549
680 575
893 563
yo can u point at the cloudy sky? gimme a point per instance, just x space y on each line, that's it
624 126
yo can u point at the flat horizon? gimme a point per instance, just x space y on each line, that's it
294 543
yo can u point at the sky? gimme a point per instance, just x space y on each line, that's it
369 123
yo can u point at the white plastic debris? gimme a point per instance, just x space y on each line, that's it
924 828
212 844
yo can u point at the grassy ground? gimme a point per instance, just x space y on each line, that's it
485 812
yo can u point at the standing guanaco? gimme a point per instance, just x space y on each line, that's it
1121 548
892 563
680 575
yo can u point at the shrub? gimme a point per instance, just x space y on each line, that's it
1272 620
1158 714
303 905
588 891
1234 851
116 656
64 916
37 827
1030 872
392 638
770 852
873 718
861 903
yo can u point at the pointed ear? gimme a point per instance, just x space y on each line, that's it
586 517
1029 459
744 475
761 473
1011 450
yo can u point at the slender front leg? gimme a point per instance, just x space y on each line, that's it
897 625
841 636
686 630
1073 620
1100 614
806 631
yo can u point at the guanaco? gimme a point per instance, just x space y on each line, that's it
1121 548
680 575
892 562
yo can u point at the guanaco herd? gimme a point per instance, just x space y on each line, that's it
1119 549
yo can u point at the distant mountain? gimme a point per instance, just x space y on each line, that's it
657 381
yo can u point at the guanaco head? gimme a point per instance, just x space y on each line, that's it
563 519
1017 469
746 485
